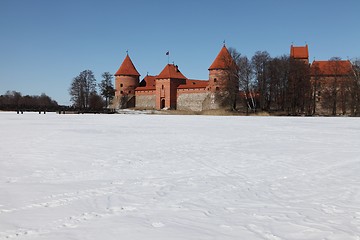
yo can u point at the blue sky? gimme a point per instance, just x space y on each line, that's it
45 44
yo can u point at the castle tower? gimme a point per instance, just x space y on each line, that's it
300 53
219 70
126 80
166 86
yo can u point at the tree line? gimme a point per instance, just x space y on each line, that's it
14 101
284 85
84 91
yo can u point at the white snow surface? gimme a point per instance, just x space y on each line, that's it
178 177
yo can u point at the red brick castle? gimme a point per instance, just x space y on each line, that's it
170 89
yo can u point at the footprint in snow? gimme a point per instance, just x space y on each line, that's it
158 224
226 227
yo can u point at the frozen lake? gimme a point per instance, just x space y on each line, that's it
178 177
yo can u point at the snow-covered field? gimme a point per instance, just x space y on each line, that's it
178 177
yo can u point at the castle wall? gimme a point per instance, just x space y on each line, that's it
210 102
145 99
123 101
191 99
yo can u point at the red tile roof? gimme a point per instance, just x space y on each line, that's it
194 84
127 68
148 83
223 60
171 71
145 88
299 52
331 68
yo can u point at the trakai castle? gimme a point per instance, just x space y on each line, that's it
171 89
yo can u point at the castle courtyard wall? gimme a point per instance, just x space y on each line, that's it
145 100
191 99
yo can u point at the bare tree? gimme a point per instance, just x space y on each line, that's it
333 89
106 87
96 103
260 62
355 88
246 85
299 88
278 80
335 95
233 78
81 87
315 85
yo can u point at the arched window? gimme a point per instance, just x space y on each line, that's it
215 79
121 84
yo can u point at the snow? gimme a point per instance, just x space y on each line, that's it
127 176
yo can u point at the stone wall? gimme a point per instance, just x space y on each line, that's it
211 102
145 101
191 101
123 101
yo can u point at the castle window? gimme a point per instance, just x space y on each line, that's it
217 88
121 84
162 86
215 79
121 92
129 91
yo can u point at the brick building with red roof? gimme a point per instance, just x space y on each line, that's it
170 89
329 80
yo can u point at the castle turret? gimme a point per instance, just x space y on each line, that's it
219 70
300 53
126 80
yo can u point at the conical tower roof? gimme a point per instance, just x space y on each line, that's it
127 68
171 71
223 60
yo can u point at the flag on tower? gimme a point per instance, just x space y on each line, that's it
167 53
